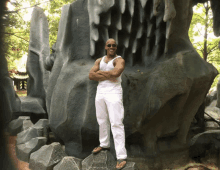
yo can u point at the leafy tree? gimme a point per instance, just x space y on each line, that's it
202 37
17 26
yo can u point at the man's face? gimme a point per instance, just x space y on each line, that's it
111 47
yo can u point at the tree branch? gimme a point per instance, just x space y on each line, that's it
16 11
16 36
212 49
11 32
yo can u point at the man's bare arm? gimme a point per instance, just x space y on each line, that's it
94 75
116 72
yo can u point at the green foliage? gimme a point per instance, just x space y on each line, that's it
199 23
18 26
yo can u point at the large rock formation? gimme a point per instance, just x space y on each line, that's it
39 49
11 101
164 83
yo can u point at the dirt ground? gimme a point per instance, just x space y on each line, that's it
21 93
20 165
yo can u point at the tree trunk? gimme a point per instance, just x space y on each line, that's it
205 53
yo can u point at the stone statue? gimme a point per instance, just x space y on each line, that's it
164 81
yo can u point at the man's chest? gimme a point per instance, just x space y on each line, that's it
106 66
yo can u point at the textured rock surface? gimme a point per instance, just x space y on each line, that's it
26 125
46 157
215 5
23 151
209 140
211 124
211 97
18 125
32 105
218 94
102 160
130 166
212 111
11 102
39 49
160 100
68 163
40 129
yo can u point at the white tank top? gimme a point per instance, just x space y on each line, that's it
108 86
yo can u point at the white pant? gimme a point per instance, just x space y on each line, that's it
109 109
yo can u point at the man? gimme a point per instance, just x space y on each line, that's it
109 105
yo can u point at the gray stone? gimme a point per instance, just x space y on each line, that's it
215 5
218 94
43 123
40 129
213 103
130 166
68 163
17 125
23 151
202 142
50 59
211 97
102 160
212 111
26 124
211 124
171 83
32 105
39 49
46 157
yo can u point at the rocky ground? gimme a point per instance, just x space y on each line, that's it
20 165
209 161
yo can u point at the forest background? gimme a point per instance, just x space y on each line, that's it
17 27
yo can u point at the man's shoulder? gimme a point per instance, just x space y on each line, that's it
119 58
98 60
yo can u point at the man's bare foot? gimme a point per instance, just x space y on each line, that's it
121 163
98 149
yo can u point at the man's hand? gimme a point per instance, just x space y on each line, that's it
116 72
98 75
94 75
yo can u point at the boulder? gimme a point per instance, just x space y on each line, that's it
68 163
202 142
211 97
26 124
46 157
23 151
211 124
130 166
39 49
32 105
18 125
102 160
213 112
40 129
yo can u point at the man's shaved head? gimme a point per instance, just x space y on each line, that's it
110 39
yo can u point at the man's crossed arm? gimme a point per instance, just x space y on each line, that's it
98 75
